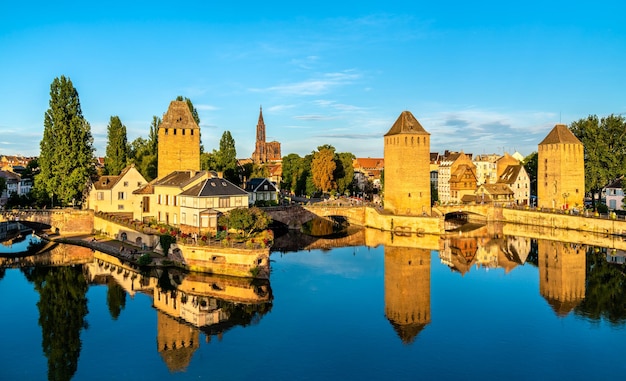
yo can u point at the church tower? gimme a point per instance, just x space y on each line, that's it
560 170
179 140
407 167
264 152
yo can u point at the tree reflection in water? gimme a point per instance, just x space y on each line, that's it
62 310
116 298
605 296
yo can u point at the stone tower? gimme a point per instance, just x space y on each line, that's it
560 170
407 290
179 140
407 167
562 268
264 152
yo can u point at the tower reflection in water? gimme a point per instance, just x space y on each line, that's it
562 272
407 290
188 304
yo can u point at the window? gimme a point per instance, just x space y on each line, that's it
166 131
121 195
174 131
125 183
120 207
183 218
100 196
224 202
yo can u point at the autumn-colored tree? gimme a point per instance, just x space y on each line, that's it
323 168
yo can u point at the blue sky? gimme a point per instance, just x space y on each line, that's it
482 77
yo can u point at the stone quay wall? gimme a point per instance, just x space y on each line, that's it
226 260
596 225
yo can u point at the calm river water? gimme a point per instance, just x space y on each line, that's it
488 308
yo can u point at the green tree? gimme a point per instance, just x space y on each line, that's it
66 158
117 151
605 149
144 153
208 161
530 164
291 168
227 158
259 171
227 154
246 220
344 172
323 167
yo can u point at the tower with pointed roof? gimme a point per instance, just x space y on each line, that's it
264 152
560 170
407 167
179 140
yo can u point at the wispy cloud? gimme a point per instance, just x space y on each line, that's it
323 84
280 108
313 117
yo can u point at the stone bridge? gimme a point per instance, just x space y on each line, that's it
472 213
67 221
295 216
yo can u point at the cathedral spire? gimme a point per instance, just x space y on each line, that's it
260 127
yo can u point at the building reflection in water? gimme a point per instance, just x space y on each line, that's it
407 290
561 274
188 304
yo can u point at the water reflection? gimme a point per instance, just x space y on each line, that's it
574 276
407 290
187 304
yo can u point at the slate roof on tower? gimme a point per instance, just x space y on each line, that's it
560 134
406 124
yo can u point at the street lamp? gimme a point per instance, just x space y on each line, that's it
565 196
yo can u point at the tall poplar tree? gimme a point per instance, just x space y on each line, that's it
227 153
66 151
117 154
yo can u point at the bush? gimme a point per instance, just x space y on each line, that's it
145 259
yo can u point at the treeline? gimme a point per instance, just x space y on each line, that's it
321 171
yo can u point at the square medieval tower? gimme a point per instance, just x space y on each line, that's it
407 167
179 140
560 170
